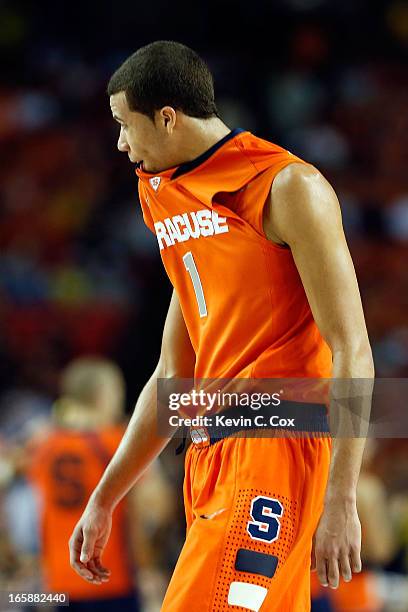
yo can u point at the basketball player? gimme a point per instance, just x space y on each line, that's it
65 466
264 287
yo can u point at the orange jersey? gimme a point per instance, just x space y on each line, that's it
65 468
241 295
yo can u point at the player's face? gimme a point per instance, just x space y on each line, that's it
139 136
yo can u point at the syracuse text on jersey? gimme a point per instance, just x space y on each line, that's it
189 225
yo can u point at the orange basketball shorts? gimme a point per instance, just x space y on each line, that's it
252 507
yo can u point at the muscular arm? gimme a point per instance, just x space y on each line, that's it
304 213
139 446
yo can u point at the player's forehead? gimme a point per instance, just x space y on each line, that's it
119 105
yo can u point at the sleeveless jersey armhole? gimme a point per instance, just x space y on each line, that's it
252 204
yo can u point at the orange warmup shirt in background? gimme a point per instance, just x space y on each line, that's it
65 469
358 595
252 504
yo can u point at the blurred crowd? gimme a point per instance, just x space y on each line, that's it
81 275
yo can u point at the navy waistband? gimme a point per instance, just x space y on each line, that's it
309 419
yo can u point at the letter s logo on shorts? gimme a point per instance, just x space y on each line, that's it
265 524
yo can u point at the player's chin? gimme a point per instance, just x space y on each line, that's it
142 165
134 160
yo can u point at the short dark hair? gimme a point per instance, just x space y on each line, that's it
166 73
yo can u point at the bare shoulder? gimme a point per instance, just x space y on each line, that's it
301 202
301 180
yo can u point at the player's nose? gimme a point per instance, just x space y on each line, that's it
122 144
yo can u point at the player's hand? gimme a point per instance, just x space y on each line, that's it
87 543
337 544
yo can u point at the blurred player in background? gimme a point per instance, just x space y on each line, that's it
264 287
65 467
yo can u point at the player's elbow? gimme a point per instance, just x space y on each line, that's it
354 356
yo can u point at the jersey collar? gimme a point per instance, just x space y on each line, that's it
175 172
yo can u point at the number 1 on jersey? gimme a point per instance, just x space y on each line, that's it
195 278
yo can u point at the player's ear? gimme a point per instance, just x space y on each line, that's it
168 117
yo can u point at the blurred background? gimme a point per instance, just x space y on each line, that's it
80 275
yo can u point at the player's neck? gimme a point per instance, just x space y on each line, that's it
200 135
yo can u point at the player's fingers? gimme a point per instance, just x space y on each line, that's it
75 547
82 571
101 567
333 573
355 559
321 568
98 570
345 567
96 576
99 564
88 544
